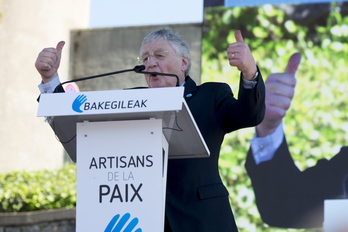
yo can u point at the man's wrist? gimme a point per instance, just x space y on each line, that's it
262 132
249 84
49 86
263 148
263 129
250 76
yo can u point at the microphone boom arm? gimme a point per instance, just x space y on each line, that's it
135 69
163 74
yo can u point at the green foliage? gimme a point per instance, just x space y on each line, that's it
38 190
316 125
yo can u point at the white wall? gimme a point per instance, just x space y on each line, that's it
26 27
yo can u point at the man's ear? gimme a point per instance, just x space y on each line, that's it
184 64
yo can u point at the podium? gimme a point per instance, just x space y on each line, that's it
121 141
335 215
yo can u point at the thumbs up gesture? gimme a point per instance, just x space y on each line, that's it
48 61
239 55
280 89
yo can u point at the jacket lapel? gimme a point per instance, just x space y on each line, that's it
190 88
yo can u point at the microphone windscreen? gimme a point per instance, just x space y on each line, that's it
139 68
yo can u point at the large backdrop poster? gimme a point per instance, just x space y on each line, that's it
316 125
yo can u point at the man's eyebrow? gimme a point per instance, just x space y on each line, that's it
159 49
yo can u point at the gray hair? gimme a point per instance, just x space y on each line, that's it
179 45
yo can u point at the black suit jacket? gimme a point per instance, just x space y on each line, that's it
290 198
196 198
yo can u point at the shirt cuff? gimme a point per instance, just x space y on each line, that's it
249 84
50 86
263 148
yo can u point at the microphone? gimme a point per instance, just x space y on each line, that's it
142 67
136 69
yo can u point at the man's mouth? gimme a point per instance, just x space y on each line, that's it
154 76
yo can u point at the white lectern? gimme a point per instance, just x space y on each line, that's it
335 215
120 141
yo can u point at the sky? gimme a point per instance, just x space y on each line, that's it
123 13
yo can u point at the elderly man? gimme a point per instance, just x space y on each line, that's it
196 198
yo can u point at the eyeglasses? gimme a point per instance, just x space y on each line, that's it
158 55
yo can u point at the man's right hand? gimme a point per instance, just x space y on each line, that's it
280 89
48 60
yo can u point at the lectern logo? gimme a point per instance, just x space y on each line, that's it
118 224
78 102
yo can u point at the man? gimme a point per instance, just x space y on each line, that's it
196 198
285 196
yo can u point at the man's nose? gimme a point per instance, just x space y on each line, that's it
151 62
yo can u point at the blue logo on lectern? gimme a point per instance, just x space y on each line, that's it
78 102
118 224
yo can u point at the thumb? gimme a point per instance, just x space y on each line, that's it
293 63
238 36
60 46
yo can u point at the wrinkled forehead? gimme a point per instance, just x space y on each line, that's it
157 45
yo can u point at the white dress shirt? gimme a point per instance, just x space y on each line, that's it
50 86
263 148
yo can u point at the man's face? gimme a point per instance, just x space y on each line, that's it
159 56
